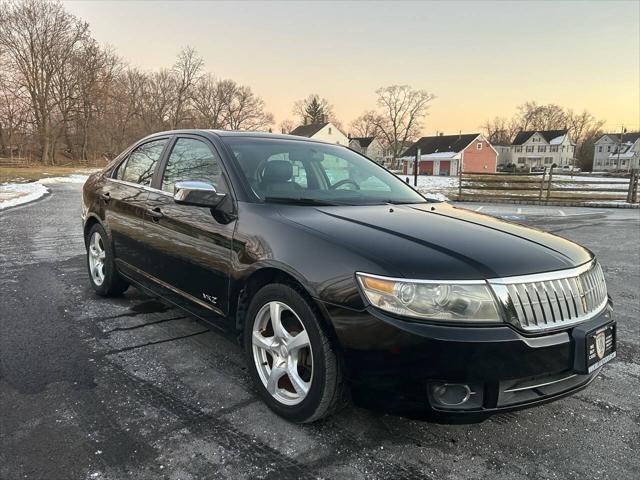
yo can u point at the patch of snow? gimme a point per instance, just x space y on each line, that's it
74 178
432 187
431 156
431 181
435 196
557 140
602 181
12 194
436 155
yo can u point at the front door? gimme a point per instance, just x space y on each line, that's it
189 249
124 196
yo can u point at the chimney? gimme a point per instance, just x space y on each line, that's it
304 120
441 134
324 118
349 136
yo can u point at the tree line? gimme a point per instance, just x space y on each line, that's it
584 129
64 97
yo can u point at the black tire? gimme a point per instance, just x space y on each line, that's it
327 392
112 284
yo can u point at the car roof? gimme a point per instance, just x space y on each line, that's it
233 133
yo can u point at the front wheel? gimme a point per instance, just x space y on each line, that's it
292 360
105 280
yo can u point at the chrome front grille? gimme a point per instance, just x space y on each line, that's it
552 300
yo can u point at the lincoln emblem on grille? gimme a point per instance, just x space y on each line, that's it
600 344
583 299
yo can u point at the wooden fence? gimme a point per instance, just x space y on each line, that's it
14 162
547 187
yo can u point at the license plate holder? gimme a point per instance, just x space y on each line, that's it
594 347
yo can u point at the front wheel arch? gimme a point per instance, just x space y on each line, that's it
88 225
265 276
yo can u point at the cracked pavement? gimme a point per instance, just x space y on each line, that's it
94 388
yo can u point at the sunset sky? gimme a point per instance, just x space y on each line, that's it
480 59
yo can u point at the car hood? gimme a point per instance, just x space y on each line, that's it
439 241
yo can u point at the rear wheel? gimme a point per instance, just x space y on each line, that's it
291 358
105 280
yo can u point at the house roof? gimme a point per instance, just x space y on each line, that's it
548 135
308 130
629 137
440 143
364 142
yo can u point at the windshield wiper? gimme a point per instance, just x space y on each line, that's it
301 201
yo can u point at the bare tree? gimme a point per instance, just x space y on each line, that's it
584 129
14 116
500 131
365 125
39 39
402 111
287 126
210 100
187 70
246 111
532 116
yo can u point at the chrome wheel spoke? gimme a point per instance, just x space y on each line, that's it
275 375
301 387
96 242
275 311
301 340
265 343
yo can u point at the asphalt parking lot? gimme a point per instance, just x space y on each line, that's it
94 388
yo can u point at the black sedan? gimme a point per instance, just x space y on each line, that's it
342 281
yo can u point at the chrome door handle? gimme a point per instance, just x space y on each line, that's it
155 214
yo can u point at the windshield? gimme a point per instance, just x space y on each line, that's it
311 173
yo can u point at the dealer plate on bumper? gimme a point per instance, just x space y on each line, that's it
594 345
600 347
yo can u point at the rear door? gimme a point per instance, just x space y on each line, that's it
189 250
125 195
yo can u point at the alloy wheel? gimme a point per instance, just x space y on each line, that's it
97 258
282 353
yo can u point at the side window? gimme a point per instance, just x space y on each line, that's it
140 165
193 160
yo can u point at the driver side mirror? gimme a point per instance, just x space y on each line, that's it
198 194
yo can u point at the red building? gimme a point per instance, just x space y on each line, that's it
445 154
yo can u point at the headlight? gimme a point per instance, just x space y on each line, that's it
461 301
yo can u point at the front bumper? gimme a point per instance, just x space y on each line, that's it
396 364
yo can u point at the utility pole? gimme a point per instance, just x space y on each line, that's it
619 147
415 168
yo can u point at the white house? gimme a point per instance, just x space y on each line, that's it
504 153
616 151
327 132
369 146
542 148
